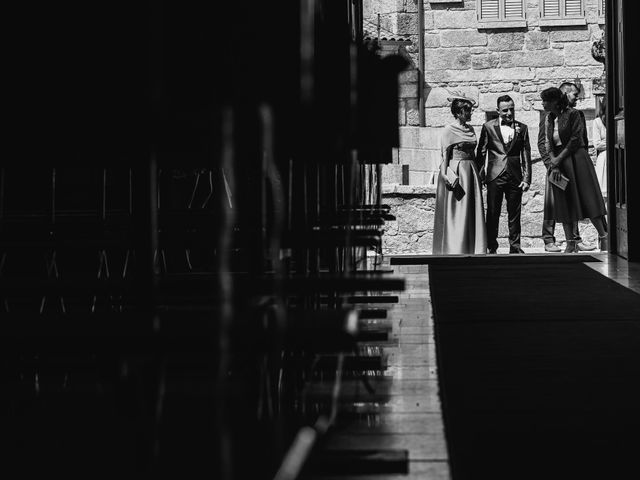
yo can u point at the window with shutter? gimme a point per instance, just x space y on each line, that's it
601 11
551 8
562 12
513 9
490 9
501 13
573 8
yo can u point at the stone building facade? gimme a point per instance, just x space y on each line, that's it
521 53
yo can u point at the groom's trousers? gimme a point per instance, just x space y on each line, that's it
505 185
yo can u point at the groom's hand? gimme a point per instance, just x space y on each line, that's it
524 186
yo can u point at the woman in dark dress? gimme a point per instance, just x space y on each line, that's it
568 154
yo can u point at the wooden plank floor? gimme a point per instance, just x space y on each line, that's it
618 269
404 412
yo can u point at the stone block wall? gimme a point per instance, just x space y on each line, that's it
483 63
413 206
408 113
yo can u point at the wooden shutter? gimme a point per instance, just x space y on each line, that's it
490 9
602 6
551 8
573 8
513 9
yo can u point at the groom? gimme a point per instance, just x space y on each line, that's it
508 171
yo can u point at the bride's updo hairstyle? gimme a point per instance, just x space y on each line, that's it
458 105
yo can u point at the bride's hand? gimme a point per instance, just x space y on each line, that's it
446 181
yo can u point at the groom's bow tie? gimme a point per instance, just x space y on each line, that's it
508 124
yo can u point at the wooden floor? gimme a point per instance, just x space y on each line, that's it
618 269
404 412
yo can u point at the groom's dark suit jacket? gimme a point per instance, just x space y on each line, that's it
515 155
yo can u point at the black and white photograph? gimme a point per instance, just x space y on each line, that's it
321 240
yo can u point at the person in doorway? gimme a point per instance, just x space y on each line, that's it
508 171
459 211
572 92
600 144
568 157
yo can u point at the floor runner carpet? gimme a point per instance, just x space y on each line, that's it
539 371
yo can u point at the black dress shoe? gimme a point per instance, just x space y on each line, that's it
492 251
516 250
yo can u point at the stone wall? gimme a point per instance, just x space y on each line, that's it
483 63
413 206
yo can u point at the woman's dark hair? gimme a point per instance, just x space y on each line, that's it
554 94
459 104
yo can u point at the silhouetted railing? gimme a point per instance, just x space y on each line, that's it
169 297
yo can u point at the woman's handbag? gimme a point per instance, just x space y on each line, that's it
559 180
452 178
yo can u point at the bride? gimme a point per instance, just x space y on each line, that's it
459 225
